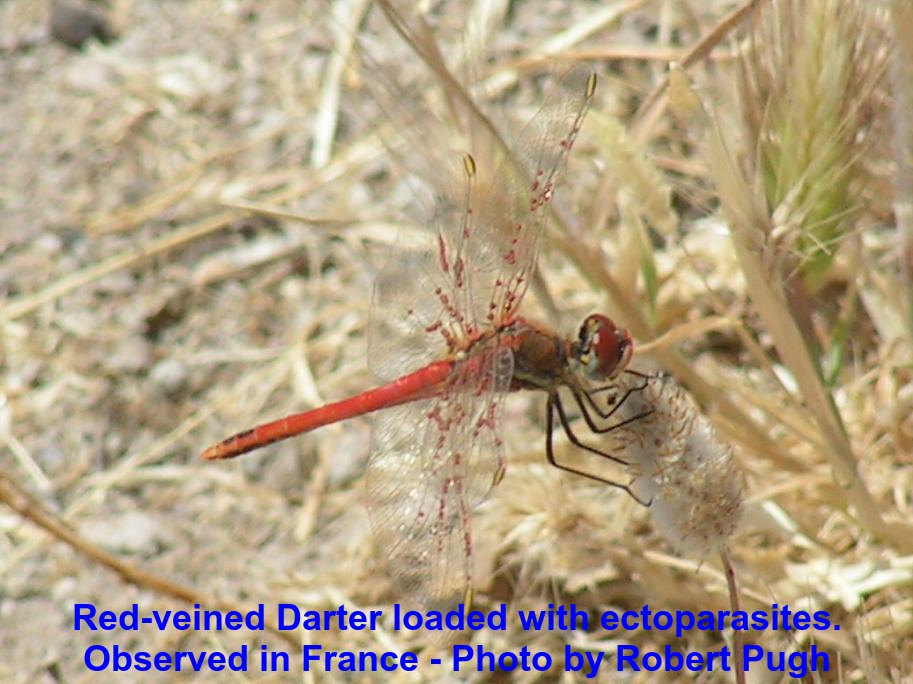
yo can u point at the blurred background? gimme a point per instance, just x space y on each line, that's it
196 196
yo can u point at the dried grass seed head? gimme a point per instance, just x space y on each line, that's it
694 483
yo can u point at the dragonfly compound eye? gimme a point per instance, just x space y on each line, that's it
604 349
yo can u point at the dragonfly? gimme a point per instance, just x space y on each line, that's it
446 334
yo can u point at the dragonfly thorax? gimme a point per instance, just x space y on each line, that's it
602 350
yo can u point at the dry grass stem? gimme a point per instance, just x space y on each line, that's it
28 507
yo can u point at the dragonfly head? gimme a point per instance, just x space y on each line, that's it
602 349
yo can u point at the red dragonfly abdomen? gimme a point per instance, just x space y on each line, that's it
422 384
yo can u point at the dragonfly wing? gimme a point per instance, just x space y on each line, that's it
413 314
512 208
465 267
432 463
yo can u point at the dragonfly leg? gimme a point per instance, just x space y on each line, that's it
646 377
615 405
584 398
553 403
566 425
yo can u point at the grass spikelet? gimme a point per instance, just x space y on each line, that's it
687 473
748 217
769 228
902 85
806 83
643 194
637 176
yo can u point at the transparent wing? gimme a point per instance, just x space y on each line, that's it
432 463
468 273
414 314
515 210
449 287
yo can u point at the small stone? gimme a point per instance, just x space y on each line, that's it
169 374
131 355
73 23
130 532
